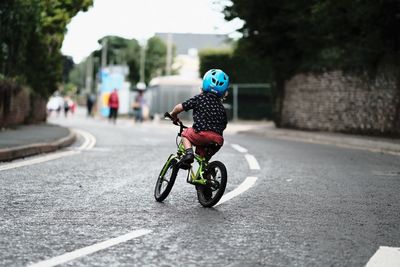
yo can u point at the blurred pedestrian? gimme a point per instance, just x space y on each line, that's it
66 106
113 104
138 106
54 104
90 100
72 106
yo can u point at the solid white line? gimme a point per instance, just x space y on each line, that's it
90 140
253 163
89 143
385 257
239 148
90 249
86 140
244 186
41 159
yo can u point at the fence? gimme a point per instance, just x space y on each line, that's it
250 101
244 102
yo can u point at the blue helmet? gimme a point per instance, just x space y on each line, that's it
216 81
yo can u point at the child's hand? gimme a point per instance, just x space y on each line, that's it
176 120
174 113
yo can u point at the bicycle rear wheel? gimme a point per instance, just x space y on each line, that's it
166 180
216 175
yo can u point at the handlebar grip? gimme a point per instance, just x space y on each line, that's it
168 115
176 122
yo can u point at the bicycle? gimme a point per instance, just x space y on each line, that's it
209 179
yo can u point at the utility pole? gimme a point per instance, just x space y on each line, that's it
142 63
104 52
169 54
89 74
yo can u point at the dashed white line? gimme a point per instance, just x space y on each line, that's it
252 161
244 186
248 182
90 249
385 257
239 148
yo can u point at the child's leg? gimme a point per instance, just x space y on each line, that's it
186 143
189 154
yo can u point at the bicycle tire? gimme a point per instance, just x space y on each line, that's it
203 191
171 171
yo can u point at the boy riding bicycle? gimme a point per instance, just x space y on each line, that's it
209 117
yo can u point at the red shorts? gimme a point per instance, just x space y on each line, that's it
203 138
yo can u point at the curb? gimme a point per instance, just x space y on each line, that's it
377 146
9 154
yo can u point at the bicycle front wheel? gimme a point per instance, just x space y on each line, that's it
216 176
166 180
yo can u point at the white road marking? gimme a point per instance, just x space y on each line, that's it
90 249
247 183
89 143
90 140
101 149
253 163
239 148
37 160
385 257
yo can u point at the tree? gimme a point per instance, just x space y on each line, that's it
271 30
318 35
156 58
32 32
123 51
19 19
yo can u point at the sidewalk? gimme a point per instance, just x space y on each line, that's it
374 144
28 140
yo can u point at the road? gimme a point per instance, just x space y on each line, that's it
311 205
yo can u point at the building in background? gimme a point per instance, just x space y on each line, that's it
187 46
165 92
184 42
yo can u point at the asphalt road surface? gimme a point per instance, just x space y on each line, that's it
310 204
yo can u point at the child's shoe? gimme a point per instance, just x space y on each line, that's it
187 159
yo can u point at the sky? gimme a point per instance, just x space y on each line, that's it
140 19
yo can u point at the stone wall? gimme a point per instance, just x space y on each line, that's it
18 106
340 103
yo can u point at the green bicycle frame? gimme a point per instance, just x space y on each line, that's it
193 177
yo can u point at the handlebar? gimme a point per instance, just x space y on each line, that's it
176 122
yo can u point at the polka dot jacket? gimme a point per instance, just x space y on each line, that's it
208 113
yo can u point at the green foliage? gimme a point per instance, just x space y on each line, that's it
355 35
156 58
77 75
69 89
32 32
19 20
241 65
358 36
121 51
216 59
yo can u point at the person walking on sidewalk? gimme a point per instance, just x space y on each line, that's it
90 101
113 104
66 106
138 106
